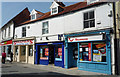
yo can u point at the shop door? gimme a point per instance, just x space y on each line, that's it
51 54
73 55
23 54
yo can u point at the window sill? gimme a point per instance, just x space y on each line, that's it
92 62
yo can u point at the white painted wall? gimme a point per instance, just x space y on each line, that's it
5 37
69 23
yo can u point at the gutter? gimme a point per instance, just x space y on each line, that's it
115 39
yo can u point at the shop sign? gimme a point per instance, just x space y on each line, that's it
6 42
27 42
85 38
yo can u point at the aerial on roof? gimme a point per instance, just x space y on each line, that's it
67 9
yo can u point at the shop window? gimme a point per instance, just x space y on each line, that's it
31 50
99 51
23 31
89 19
85 52
58 53
16 50
9 49
44 53
45 27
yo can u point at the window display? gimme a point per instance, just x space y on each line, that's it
99 51
44 53
58 53
85 51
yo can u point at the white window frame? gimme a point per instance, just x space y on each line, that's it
89 19
54 10
9 31
24 32
5 32
45 28
32 16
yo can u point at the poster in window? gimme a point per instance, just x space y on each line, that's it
97 57
89 47
59 51
81 50
86 49
46 52
59 58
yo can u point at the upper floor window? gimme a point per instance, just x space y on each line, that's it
89 19
54 10
5 32
33 17
23 31
45 27
2 34
9 31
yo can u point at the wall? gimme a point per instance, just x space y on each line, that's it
69 23
7 30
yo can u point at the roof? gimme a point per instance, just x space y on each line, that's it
67 9
61 4
39 12
20 18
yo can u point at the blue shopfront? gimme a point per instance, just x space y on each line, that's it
50 53
90 51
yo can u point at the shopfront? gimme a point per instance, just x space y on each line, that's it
92 51
50 53
7 47
24 51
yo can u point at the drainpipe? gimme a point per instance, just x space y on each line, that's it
115 39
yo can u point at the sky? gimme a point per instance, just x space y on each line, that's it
10 9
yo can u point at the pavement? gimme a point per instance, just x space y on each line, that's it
30 70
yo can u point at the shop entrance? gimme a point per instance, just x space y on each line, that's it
23 54
51 54
73 55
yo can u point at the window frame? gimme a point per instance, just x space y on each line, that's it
54 10
5 32
9 31
32 16
89 20
24 32
43 29
92 52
